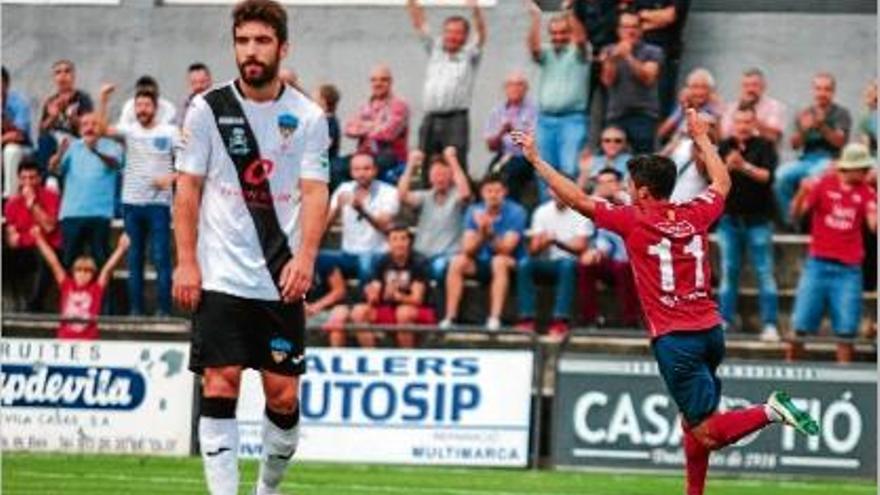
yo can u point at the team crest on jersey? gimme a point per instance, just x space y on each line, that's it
287 124
280 348
238 142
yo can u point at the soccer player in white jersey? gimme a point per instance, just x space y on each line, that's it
249 215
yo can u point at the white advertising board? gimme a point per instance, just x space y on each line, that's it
450 407
92 396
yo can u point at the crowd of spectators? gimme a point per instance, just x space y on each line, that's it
417 221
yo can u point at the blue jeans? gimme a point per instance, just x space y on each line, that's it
352 265
563 272
153 221
687 362
78 232
641 131
734 236
789 176
560 141
832 284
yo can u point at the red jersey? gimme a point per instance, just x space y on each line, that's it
22 220
839 212
81 303
668 248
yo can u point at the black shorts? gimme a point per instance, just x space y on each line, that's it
263 335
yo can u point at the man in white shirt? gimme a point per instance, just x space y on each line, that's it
249 216
367 208
147 181
558 235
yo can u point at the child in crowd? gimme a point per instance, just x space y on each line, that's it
81 290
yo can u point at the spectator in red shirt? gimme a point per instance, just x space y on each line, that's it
32 206
840 203
397 295
81 290
381 124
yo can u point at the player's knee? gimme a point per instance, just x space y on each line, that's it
282 399
456 266
221 382
702 434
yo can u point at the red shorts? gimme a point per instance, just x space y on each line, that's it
385 315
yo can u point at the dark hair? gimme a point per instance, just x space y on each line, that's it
492 178
399 227
610 170
746 106
437 158
28 163
146 93
147 82
5 76
268 12
657 173
461 19
197 66
330 94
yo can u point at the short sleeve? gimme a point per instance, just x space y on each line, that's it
706 208
378 274
844 121
583 226
195 150
419 272
518 220
389 202
542 55
334 199
537 222
618 219
419 197
474 53
469 222
66 159
316 160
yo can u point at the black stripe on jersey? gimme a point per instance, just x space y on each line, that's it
253 176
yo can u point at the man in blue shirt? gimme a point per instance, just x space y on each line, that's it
89 167
16 134
490 248
562 94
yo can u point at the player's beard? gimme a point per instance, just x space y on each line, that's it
268 73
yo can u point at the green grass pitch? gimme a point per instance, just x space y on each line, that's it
48 474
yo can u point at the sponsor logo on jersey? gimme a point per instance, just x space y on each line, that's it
230 120
238 142
259 171
280 348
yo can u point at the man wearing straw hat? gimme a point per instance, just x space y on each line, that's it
840 202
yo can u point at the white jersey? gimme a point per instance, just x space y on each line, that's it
229 252
165 113
564 225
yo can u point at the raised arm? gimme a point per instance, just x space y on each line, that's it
187 275
479 22
534 37
462 184
113 261
657 18
699 129
103 104
415 160
567 190
49 255
417 16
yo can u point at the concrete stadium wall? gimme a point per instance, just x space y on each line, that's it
340 44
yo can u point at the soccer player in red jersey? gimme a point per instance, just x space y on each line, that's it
668 248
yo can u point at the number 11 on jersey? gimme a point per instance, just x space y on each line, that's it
663 250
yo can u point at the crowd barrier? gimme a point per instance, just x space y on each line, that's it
502 401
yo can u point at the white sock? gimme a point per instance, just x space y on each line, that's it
772 415
219 445
279 445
